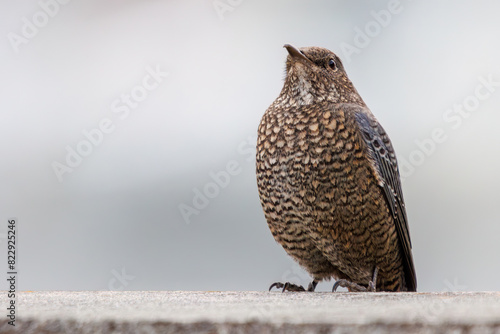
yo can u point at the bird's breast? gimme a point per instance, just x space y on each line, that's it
314 157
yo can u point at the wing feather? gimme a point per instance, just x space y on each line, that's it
386 166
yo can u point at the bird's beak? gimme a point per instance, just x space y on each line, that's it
295 53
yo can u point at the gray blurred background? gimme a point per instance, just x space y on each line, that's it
129 214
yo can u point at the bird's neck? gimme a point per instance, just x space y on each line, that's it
301 91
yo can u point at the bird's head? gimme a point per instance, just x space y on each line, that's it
314 75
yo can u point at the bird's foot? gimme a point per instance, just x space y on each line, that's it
351 286
354 287
287 287
293 287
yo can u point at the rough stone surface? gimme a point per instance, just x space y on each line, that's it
252 312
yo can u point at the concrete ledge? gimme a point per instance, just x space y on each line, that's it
252 312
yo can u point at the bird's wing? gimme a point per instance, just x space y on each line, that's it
386 166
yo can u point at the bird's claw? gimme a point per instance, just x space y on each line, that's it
293 287
287 287
351 286
354 287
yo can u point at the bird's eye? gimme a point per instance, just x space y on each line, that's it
332 64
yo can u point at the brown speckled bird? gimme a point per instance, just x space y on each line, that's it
329 182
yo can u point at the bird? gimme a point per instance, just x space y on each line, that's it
329 182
